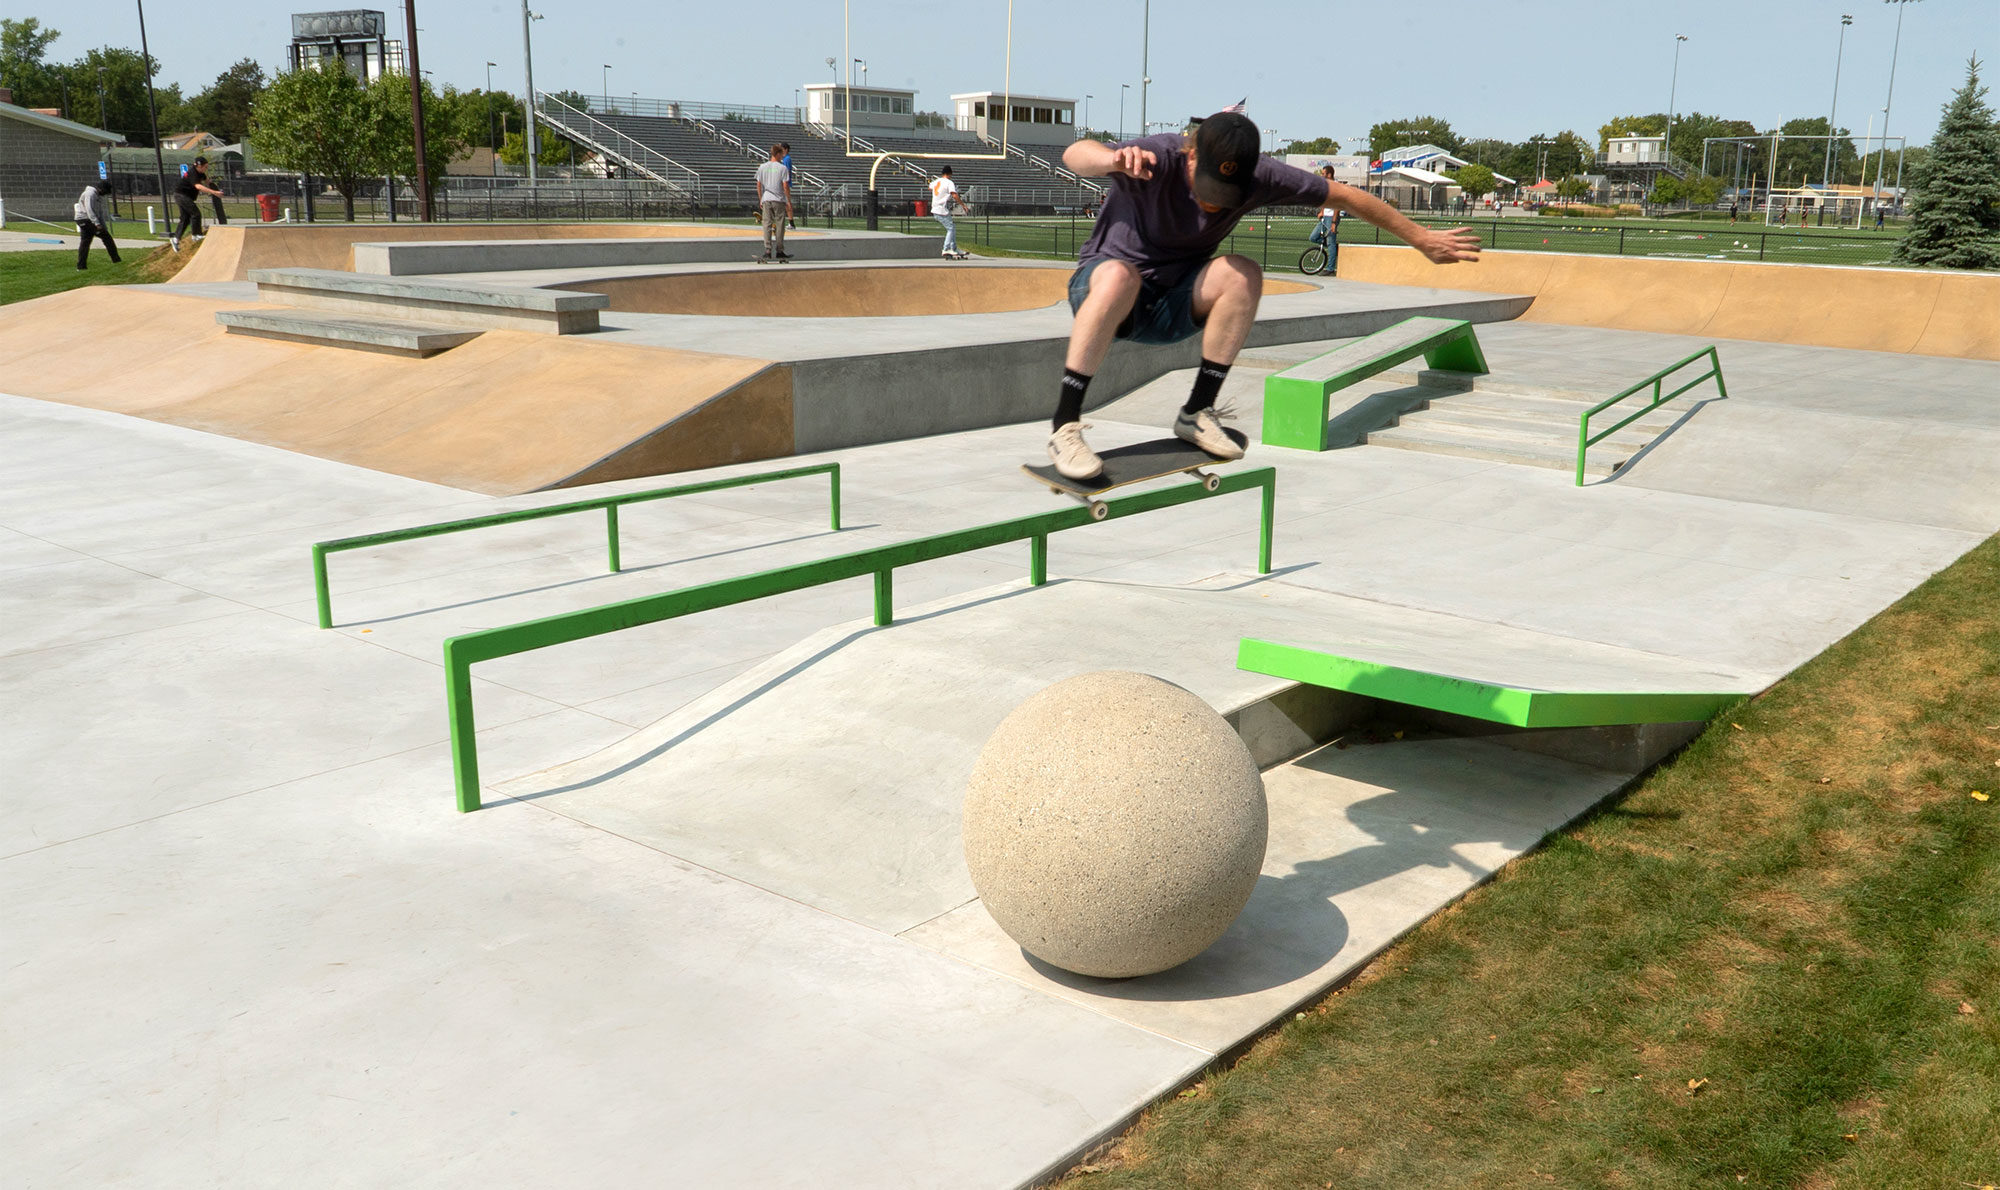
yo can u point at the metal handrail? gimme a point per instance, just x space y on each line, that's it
610 505
461 652
584 134
729 138
1585 439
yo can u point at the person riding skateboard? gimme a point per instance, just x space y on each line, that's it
1149 274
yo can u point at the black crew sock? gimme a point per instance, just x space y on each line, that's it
1069 406
1207 384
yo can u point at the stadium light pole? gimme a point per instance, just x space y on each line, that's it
528 59
1826 168
153 108
1888 101
1673 88
1086 113
492 124
605 81
1122 88
1145 61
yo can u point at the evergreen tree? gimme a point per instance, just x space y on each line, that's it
1955 196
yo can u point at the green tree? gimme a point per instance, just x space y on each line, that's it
1653 125
1476 180
224 107
554 150
24 47
1321 145
394 132
1416 130
1693 128
1572 188
318 122
1955 198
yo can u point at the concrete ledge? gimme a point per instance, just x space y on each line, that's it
494 256
448 303
409 339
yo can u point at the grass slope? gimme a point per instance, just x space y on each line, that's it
25 275
1774 963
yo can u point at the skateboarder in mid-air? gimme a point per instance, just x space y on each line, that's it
1146 274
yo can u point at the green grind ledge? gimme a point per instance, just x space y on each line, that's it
1296 399
1479 700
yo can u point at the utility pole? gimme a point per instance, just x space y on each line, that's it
1145 62
528 58
1086 113
100 98
153 109
1122 88
1826 169
429 212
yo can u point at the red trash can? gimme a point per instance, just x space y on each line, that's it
267 207
923 206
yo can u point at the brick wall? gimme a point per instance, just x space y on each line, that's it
42 170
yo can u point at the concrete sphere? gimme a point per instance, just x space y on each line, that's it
1114 825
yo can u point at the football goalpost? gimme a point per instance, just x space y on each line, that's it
878 156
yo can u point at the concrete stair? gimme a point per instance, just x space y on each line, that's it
433 301
391 337
1514 423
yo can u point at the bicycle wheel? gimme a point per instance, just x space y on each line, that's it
1312 260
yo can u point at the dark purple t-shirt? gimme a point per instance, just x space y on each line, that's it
1156 224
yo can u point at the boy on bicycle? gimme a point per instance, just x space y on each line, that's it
1327 233
1146 273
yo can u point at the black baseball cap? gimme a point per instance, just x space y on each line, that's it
1225 159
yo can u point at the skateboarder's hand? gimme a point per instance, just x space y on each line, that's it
1448 247
1134 161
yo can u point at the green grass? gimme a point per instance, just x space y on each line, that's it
1748 971
25 275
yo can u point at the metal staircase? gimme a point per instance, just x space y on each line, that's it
586 129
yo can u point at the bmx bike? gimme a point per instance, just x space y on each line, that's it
1321 253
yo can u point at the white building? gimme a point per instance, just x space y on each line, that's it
1019 119
1635 150
1348 168
876 109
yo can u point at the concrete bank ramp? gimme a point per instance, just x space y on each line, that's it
508 412
231 250
833 773
1923 312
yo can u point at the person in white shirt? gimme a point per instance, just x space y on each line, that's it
1328 231
774 202
93 220
944 203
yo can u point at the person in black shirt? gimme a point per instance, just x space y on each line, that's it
192 185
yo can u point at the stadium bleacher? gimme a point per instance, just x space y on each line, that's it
826 171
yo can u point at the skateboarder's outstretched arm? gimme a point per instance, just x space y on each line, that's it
1442 246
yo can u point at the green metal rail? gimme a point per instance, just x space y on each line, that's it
610 505
462 652
1585 440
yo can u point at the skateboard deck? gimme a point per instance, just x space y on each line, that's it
1133 464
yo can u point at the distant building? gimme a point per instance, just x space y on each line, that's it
876 109
1019 119
1348 168
45 162
191 142
357 39
1634 150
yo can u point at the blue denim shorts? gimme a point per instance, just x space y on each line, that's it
1159 316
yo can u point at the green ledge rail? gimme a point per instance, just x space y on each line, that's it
1492 701
1585 439
610 505
461 653
1296 400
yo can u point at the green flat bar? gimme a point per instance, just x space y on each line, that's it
1296 399
1490 701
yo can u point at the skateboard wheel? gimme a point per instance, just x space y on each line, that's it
1099 511
1054 490
1211 482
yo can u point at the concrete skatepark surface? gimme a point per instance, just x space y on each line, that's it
714 929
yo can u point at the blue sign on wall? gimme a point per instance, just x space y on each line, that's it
103 170
184 171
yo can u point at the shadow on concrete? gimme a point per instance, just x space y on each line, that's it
1625 468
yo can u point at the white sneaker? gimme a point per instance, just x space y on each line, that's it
175 241
1204 429
1071 455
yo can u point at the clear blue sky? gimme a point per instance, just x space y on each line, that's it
1493 68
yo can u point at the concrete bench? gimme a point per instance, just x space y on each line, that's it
439 303
1296 399
412 339
419 257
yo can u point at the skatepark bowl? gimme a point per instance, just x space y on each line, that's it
882 292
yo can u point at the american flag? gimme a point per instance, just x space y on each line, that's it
1238 106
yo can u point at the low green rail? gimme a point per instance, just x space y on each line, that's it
462 652
1585 439
610 505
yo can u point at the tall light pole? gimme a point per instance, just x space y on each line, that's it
1667 145
864 73
426 210
1826 168
605 81
1086 113
153 110
492 125
1889 100
528 57
1145 62
1122 88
